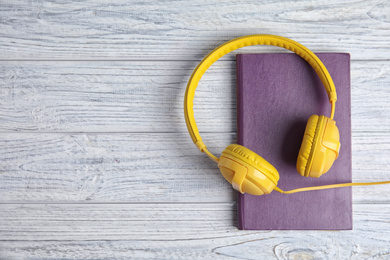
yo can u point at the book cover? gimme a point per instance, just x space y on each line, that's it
276 94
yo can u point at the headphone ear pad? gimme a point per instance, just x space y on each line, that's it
307 143
247 171
320 147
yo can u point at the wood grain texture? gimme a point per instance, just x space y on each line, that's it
145 168
111 168
168 30
148 96
95 159
179 231
112 96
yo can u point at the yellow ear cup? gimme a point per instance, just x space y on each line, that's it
247 171
320 146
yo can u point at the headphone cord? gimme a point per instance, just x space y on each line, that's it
332 186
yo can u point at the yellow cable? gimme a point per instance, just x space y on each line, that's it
333 104
212 156
332 186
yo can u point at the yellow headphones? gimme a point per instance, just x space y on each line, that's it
247 171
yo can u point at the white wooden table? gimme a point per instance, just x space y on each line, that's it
95 159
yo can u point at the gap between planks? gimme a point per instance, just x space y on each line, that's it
164 60
232 203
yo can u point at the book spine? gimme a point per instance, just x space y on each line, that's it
239 72
240 197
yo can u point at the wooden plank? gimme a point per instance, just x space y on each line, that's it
163 167
177 231
148 96
110 167
369 103
112 96
167 30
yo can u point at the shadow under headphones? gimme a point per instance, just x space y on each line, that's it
247 171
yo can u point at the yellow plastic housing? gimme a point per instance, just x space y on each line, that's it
320 147
247 171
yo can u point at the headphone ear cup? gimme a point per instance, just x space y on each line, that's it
320 147
247 171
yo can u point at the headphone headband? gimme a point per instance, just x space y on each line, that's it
257 39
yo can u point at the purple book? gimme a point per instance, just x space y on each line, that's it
276 94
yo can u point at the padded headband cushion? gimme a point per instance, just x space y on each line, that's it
307 143
253 159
